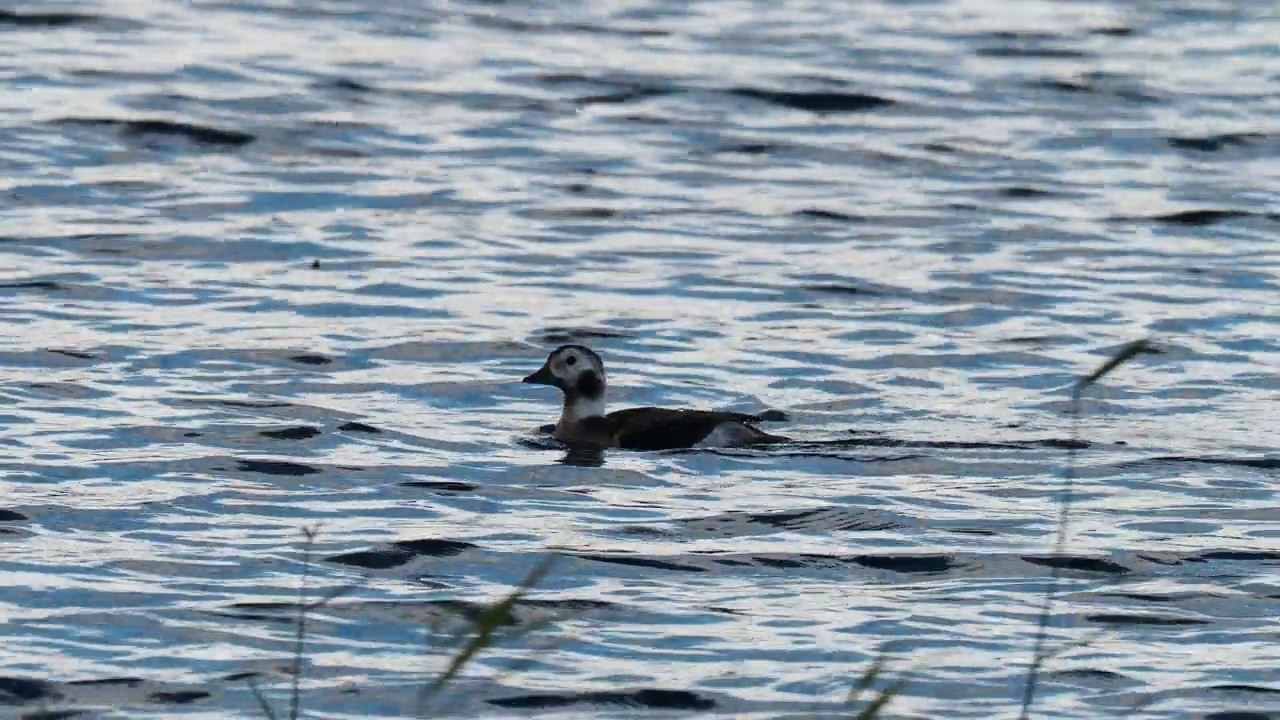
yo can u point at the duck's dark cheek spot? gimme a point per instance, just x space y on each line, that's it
590 385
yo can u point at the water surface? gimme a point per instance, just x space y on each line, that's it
266 266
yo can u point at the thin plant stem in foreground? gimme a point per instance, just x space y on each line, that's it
1123 355
300 632
263 702
485 628
879 702
300 635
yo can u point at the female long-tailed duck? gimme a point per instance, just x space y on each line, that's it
579 373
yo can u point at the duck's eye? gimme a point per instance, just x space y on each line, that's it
571 360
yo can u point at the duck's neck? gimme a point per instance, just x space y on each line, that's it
578 407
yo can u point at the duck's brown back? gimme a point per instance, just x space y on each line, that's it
651 428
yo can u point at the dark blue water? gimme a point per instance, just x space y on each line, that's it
264 266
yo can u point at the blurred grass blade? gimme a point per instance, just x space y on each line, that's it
881 701
262 700
1127 352
486 626
300 637
868 678
1124 354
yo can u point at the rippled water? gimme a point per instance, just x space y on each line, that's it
269 265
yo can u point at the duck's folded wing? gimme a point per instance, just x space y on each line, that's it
650 428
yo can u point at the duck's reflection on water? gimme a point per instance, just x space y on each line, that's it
585 456
579 455
588 455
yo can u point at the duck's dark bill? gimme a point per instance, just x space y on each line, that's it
542 377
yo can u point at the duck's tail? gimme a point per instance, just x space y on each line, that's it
763 438
737 434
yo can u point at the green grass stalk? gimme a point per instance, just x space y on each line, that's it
1123 355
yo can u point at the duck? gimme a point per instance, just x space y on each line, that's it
579 374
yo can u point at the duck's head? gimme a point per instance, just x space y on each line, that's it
574 369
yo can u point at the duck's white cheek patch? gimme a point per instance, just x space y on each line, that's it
727 434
